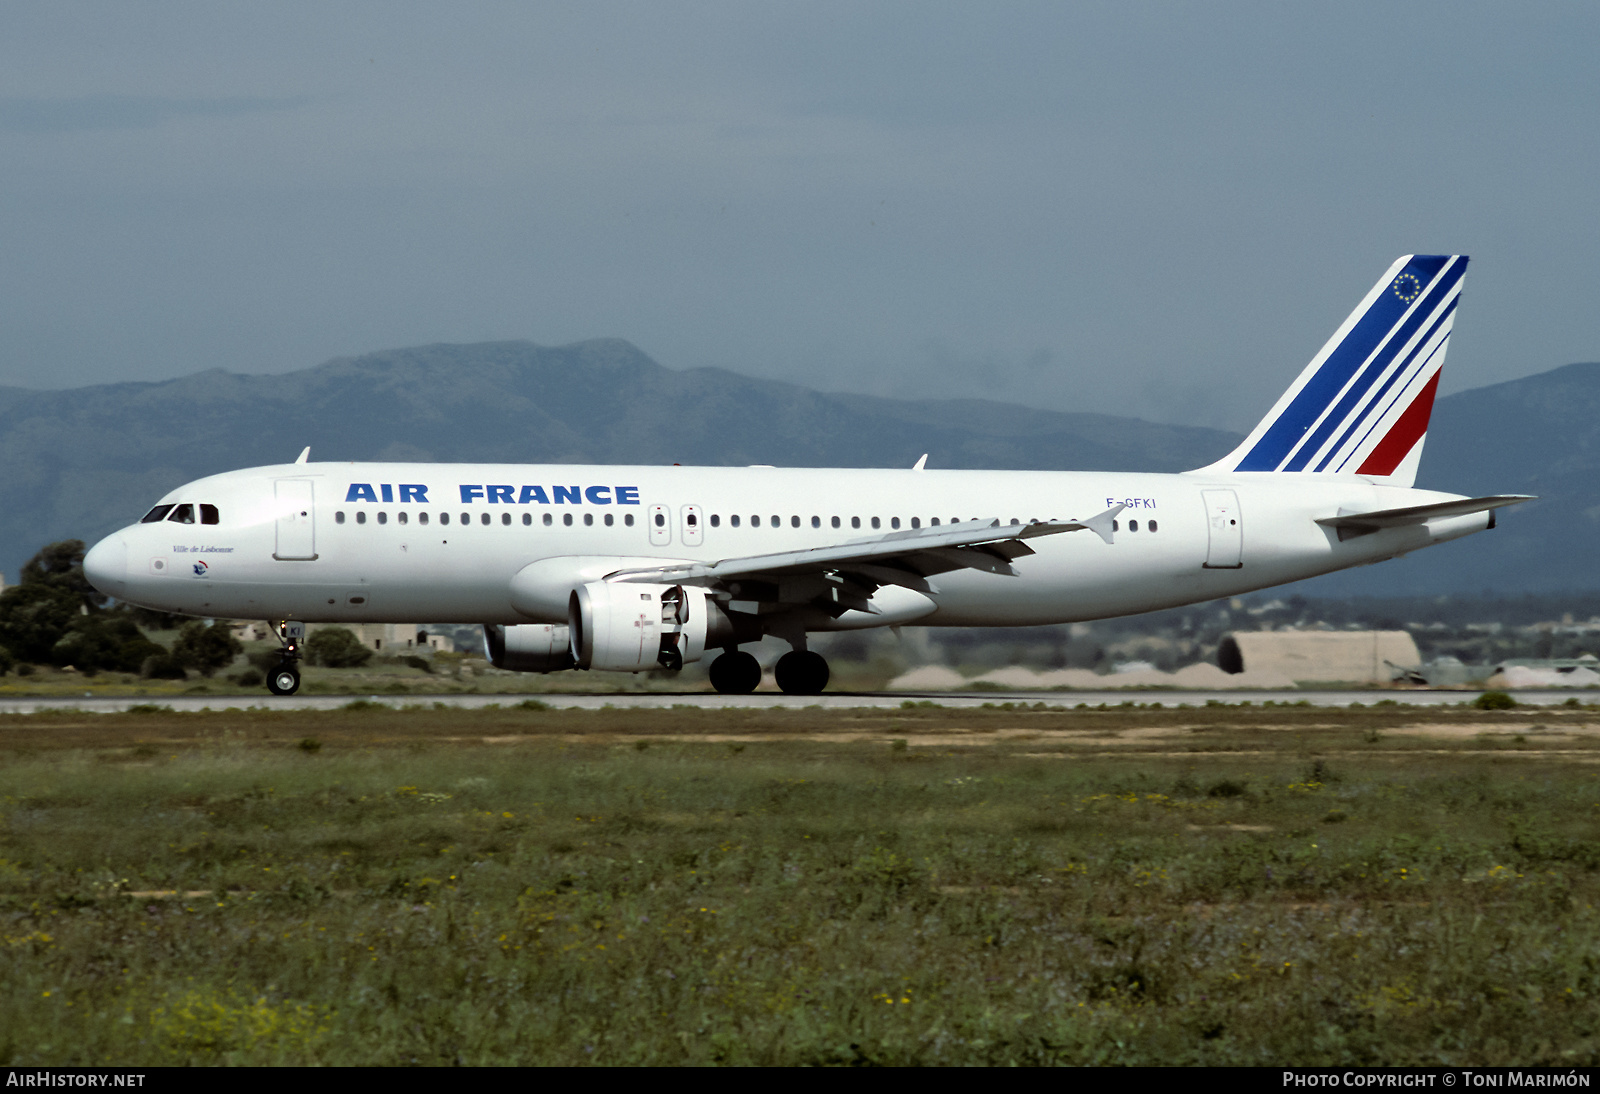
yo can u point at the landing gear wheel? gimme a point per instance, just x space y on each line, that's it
285 680
801 673
735 673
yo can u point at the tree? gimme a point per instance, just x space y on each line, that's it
206 649
34 617
337 648
60 566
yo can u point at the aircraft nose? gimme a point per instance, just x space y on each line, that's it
106 565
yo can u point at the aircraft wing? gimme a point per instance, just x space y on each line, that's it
907 558
1360 524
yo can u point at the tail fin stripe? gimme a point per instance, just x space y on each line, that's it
1405 434
1376 421
1405 375
1352 351
1398 339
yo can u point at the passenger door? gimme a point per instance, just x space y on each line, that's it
1224 529
297 534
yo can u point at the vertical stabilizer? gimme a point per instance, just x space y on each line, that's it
1361 407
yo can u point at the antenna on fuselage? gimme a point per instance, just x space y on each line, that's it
305 453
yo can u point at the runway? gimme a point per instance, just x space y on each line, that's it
771 700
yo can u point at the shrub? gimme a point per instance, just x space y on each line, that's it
336 648
162 666
1494 700
205 649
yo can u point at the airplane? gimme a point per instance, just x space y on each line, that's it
645 568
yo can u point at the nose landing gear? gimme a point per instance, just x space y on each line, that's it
285 678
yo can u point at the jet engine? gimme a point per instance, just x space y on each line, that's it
631 628
527 647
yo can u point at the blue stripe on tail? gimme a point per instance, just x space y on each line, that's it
1369 332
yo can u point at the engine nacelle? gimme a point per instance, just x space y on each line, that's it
631 628
528 647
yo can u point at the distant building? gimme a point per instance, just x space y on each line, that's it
399 637
1356 657
383 637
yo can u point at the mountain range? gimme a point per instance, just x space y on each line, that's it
81 462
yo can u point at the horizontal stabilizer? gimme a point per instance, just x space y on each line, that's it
1357 524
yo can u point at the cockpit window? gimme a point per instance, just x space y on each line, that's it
182 514
155 514
208 514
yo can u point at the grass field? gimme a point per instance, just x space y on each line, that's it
1239 885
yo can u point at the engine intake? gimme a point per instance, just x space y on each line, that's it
631 628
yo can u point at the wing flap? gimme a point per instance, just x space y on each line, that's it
904 558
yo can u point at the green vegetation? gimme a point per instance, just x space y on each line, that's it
1206 886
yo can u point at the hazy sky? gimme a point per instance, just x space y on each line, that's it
1160 210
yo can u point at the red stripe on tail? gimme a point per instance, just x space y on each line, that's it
1404 435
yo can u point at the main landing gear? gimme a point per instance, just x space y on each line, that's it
285 678
798 672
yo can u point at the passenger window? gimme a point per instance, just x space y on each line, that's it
794 522
566 518
836 522
777 522
661 520
548 520
875 522
208 514
894 522
1116 526
361 516
934 522
610 520
628 520
588 520
855 522
716 520
156 514
916 522
816 522
444 518
734 520
338 518
466 518
1133 526
1151 527
505 518
691 522
527 519
383 518
182 514
755 522
422 518
1014 520
402 518
483 518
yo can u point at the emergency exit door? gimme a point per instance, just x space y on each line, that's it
693 532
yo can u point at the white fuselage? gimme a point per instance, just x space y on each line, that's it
347 542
